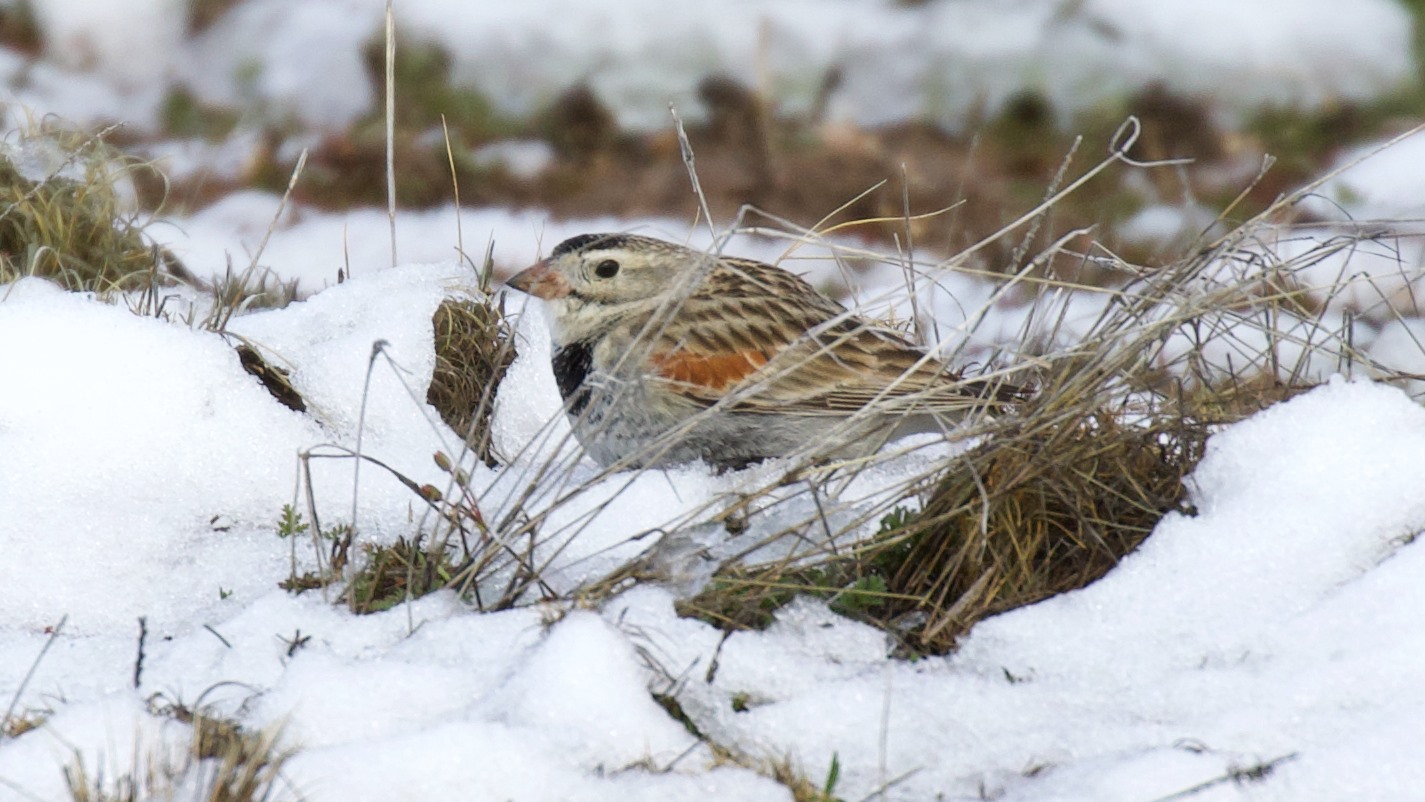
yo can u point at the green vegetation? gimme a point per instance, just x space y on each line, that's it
69 224
398 573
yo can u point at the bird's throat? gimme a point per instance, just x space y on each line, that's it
572 363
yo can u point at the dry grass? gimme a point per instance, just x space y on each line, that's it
1049 502
474 346
275 380
1033 512
67 221
223 762
63 217
17 725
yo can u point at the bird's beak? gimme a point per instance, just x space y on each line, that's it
541 281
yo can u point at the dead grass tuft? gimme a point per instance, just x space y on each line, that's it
68 223
223 763
1030 515
1035 511
274 379
19 30
17 725
474 346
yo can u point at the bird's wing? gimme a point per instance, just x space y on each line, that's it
778 346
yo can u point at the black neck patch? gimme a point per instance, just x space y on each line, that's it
579 243
572 364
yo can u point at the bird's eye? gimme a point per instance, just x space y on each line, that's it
606 269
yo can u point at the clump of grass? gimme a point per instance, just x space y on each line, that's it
1049 502
474 346
223 762
70 224
1033 514
1035 511
349 169
429 92
183 114
203 13
333 545
450 542
803 789
397 573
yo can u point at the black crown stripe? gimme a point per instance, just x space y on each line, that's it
589 241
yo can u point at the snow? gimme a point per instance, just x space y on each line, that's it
142 470
299 61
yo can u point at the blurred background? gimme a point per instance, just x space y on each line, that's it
960 115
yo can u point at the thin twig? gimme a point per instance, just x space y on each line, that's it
30 674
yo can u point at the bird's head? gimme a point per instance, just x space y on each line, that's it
594 281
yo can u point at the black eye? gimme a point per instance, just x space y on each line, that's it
606 269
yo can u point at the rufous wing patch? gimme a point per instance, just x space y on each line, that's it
714 372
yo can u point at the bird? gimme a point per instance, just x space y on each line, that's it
666 355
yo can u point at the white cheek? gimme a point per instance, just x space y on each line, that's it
570 319
556 311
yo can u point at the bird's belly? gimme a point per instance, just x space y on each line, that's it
626 424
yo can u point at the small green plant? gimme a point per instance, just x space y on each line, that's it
860 596
833 775
184 115
410 567
290 526
895 520
290 523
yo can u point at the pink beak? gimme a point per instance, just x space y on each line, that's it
540 281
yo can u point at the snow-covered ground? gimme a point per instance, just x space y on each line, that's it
142 471
144 478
